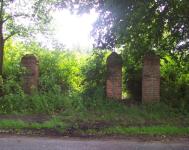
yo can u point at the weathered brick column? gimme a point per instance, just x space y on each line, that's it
30 77
114 76
151 79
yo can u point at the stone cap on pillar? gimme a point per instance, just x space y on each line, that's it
151 59
29 59
114 60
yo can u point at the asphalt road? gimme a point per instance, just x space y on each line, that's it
39 143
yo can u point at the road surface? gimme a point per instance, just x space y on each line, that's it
40 143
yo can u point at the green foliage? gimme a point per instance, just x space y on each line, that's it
13 71
59 71
175 83
13 124
49 102
1 81
19 124
37 17
59 79
139 27
132 74
94 72
102 115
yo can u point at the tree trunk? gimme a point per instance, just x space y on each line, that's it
1 57
1 50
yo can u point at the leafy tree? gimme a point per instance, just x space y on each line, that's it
153 25
21 17
138 27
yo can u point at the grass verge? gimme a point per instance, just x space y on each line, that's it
19 124
105 117
62 128
151 131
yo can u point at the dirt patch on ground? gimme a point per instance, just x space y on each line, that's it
52 133
38 118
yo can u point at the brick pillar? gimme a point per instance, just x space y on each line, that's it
31 75
151 79
114 76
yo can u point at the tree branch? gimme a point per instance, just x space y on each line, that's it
10 35
9 17
17 15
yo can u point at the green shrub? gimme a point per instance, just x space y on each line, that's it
59 79
58 70
67 81
94 72
175 83
46 103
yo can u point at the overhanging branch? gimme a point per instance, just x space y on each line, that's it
17 15
10 35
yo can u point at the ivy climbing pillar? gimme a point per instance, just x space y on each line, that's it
31 74
114 76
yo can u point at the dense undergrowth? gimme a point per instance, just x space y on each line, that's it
74 83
